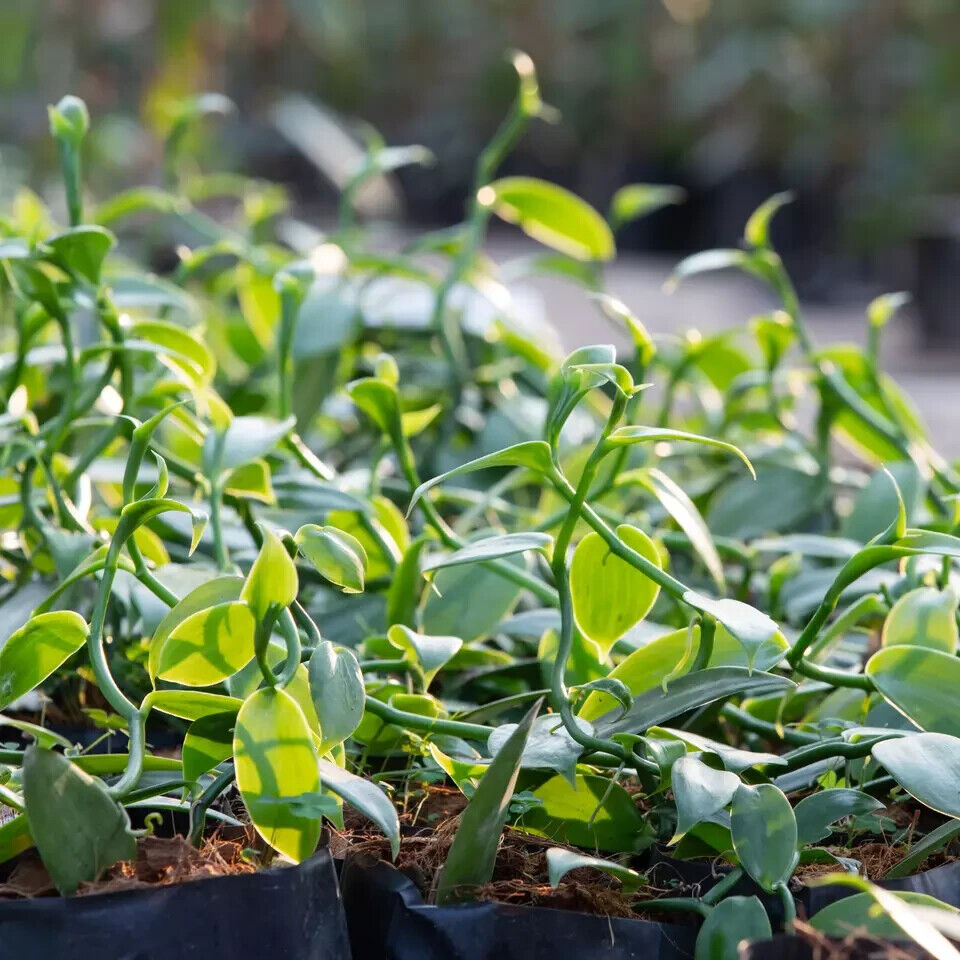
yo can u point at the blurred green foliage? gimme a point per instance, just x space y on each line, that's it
855 101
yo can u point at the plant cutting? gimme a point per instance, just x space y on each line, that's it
608 631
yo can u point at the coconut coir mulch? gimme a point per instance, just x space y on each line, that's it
160 861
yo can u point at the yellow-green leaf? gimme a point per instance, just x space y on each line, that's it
209 646
609 594
272 578
275 761
34 651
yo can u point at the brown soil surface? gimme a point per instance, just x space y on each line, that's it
428 824
429 819
160 861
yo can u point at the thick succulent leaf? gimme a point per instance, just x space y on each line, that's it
245 439
927 766
610 595
209 594
560 862
638 199
275 760
365 796
860 913
684 511
336 688
591 813
752 628
533 454
79 829
272 579
337 556
924 617
690 691
764 832
923 684
817 813
473 852
192 704
650 664
490 548
731 922
549 745
637 433
429 653
554 216
209 646
208 742
33 652
699 791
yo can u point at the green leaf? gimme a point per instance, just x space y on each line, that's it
404 591
879 502
636 200
731 922
591 812
246 439
79 829
208 741
209 646
473 852
252 481
924 617
610 595
757 231
882 308
817 813
468 602
927 766
690 691
336 688
365 796
699 791
923 684
34 651
552 215
533 454
560 862
631 434
337 556
860 914
491 548
647 666
754 630
732 758
187 352
272 579
549 746
764 832
780 499
208 594
275 759
191 704
707 261
379 401
674 500
429 653
81 250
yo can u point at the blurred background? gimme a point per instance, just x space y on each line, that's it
854 104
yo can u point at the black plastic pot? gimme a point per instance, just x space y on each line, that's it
941 882
784 947
388 920
290 912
